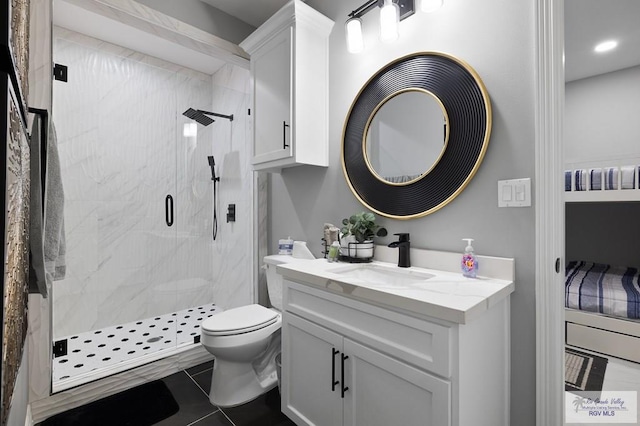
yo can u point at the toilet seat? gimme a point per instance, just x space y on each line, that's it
239 320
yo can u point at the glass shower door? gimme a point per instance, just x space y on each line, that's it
137 206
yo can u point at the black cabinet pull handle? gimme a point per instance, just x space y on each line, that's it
285 145
334 382
344 388
168 210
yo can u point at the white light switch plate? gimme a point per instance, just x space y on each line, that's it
514 193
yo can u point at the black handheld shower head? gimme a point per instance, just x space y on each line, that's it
212 164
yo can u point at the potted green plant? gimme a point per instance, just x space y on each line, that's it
357 233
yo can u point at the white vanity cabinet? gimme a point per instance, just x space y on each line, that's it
348 362
289 69
333 380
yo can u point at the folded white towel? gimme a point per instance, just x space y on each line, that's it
595 177
580 180
628 177
611 178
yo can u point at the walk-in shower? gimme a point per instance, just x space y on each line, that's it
137 284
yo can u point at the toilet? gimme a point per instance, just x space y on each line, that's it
245 342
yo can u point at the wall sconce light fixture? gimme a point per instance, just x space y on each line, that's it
391 13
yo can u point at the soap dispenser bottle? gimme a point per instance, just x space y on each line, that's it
469 264
334 252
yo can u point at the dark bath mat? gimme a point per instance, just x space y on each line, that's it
143 405
583 371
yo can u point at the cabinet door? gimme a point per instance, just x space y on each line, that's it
272 67
384 391
310 366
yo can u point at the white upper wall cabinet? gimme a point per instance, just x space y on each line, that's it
290 73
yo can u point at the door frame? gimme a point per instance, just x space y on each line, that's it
549 212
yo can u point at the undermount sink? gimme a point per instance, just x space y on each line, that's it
380 275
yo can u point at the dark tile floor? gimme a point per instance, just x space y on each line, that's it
190 389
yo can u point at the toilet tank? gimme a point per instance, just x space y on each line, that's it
274 280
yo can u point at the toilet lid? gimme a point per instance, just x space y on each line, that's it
239 320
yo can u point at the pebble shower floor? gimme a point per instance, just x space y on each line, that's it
106 347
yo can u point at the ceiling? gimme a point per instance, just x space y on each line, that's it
588 22
253 12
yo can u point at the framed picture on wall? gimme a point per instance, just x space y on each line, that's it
15 250
14 180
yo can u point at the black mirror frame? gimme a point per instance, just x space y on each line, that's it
468 108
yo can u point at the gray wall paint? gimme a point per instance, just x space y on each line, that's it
601 112
203 16
497 38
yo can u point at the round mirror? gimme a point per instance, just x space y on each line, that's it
433 172
406 136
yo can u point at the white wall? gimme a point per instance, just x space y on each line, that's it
496 38
602 112
232 250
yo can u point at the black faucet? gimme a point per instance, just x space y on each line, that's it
403 244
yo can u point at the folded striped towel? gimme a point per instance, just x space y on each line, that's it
611 178
628 177
595 176
567 180
580 180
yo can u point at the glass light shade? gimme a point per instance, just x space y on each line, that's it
429 6
389 21
355 42
190 130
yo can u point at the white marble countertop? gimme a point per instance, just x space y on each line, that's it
446 295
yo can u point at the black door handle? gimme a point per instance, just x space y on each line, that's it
285 145
334 382
344 388
168 210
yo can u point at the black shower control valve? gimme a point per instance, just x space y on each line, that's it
231 213
60 72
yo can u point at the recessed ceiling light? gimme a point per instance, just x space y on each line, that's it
606 46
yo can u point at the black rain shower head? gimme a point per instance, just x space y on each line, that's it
198 116
201 116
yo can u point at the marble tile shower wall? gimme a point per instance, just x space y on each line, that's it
232 252
119 124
